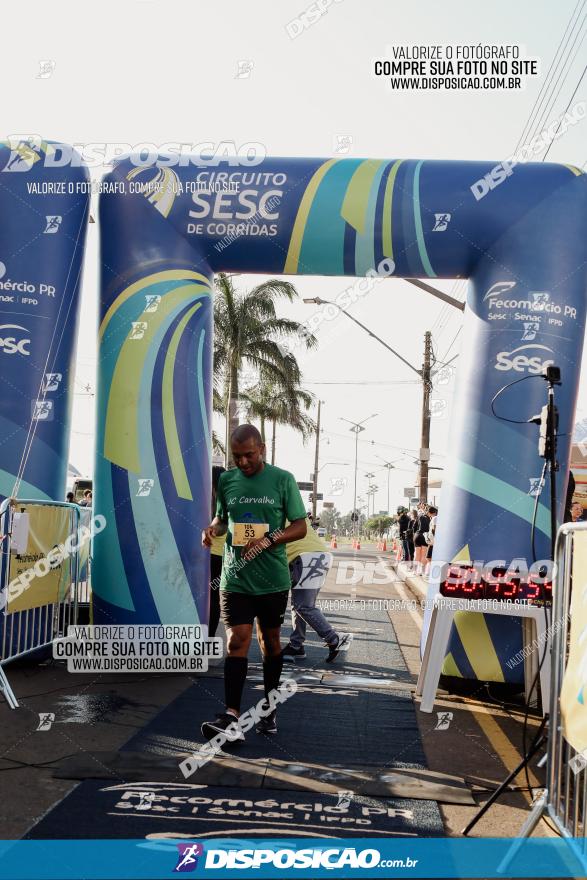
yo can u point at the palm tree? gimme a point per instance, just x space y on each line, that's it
280 403
248 333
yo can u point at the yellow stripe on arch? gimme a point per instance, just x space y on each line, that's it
155 278
479 648
450 667
295 243
356 200
176 462
121 433
387 228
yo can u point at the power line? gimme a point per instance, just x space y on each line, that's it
404 449
554 99
452 343
567 108
546 84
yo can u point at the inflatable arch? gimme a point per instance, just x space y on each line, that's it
168 226
176 224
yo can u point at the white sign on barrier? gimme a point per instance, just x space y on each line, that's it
20 533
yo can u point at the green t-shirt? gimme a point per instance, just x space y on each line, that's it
270 497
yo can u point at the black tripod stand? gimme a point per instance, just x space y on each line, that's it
548 421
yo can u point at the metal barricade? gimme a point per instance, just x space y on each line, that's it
564 800
25 631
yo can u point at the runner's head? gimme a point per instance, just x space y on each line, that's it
248 449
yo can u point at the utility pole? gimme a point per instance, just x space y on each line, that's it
425 439
316 454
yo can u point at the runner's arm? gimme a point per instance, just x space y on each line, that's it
293 532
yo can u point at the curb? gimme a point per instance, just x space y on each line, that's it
417 584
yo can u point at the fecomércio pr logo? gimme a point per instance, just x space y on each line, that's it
188 855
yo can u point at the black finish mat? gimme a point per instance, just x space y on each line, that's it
344 726
98 810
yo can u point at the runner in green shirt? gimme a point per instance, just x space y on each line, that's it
253 502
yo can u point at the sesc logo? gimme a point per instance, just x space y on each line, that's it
10 344
521 361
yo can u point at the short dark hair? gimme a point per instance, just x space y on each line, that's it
433 509
246 432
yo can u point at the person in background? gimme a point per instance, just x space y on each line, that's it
70 498
87 499
403 523
216 553
433 514
422 526
569 498
309 563
411 528
577 512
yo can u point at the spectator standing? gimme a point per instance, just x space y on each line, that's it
403 524
422 526
411 528
433 514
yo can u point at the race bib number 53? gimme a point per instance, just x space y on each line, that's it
245 532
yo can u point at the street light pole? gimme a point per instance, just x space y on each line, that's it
425 437
357 427
389 465
357 431
369 491
316 454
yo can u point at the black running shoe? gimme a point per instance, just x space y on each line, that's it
342 644
291 654
267 725
225 724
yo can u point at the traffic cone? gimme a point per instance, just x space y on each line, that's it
333 544
384 546
358 547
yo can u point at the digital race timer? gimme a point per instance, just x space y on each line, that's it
461 580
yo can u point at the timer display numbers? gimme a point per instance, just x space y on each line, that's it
464 580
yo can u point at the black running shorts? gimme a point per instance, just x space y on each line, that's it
239 608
